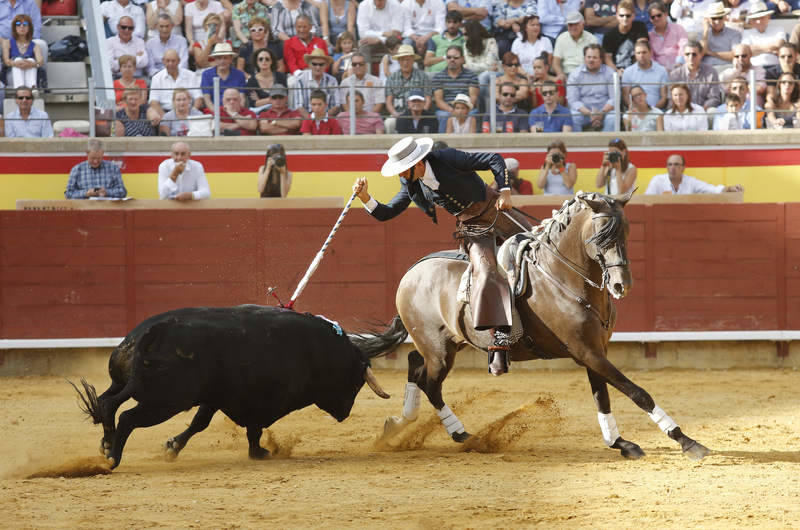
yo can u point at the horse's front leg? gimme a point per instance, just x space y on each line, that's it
608 424
603 368
432 379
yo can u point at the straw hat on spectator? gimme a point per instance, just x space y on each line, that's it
406 50
717 10
222 49
758 10
463 99
317 53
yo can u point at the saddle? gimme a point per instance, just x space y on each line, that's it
512 263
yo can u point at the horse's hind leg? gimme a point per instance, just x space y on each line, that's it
603 367
608 424
411 397
200 421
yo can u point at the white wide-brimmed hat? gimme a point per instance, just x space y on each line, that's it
463 99
406 50
405 153
758 10
222 48
717 9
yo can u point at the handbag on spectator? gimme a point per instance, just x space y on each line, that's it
59 7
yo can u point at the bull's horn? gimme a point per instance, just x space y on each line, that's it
369 377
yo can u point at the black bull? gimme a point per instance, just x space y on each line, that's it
256 364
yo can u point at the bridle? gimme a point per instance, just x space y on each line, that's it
577 269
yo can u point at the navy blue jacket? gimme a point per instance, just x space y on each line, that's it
459 184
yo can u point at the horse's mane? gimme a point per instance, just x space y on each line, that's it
551 229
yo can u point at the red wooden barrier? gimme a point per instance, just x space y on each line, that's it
98 273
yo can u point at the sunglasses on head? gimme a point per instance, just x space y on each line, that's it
511 64
453 57
319 64
548 92
259 28
22 23
360 63
265 58
507 94
24 98
656 15
125 27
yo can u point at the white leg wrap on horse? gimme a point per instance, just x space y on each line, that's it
450 420
608 426
411 401
661 419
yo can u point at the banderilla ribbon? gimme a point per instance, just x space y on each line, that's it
318 258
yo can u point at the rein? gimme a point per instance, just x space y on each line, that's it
577 269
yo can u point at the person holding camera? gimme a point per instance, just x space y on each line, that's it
274 178
95 177
557 176
616 174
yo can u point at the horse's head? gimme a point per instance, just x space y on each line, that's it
606 241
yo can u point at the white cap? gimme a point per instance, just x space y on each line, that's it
512 164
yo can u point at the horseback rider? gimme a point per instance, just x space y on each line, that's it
447 177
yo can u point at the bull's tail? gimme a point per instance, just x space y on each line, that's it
88 402
379 344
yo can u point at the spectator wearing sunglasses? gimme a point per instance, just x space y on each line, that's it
742 67
718 38
126 43
550 117
370 86
702 79
509 118
21 55
667 39
619 41
114 10
27 121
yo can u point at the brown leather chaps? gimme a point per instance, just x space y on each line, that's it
479 227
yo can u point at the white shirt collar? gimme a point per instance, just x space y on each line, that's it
429 179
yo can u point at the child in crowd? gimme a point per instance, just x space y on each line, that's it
461 122
342 54
319 123
730 121
389 64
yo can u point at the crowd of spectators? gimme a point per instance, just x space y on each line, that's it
677 62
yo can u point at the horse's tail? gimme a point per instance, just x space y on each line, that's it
88 402
379 344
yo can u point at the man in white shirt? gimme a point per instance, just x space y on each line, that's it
764 40
376 20
741 68
180 178
113 10
370 86
164 83
126 43
674 181
568 51
425 19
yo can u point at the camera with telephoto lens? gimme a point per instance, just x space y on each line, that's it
277 154
557 158
614 156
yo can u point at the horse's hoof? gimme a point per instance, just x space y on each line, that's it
171 449
393 425
460 437
696 451
259 454
628 450
111 462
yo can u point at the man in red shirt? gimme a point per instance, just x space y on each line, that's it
301 44
319 122
279 118
233 119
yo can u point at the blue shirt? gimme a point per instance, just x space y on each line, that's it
22 7
744 114
635 75
487 4
554 122
591 90
236 79
36 126
84 177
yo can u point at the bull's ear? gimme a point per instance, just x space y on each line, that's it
623 199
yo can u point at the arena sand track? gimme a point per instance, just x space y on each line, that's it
546 463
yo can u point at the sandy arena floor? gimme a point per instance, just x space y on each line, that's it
546 465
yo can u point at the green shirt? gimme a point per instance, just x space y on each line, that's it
438 45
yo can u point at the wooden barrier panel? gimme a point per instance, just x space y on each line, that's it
97 273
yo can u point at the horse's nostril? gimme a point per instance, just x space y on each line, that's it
619 288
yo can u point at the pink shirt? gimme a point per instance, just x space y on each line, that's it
667 48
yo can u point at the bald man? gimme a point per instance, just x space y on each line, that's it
167 80
180 178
